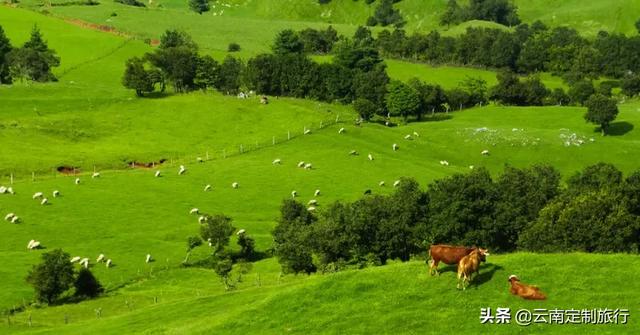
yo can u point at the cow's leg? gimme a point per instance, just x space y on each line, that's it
433 267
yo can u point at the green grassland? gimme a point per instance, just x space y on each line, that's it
88 119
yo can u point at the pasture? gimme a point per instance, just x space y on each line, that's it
89 120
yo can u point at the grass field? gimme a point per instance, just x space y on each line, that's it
87 119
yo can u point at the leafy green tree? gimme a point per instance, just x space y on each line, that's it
247 246
87 285
365 108
136 77
207 71
535 92
580 91
372 85
199 6
229 76
5 48
452 14
292 238
594 177
402 100
631 85
233 47
331 240
222 265
34 60
432 97
601 110
177 58
558 97
287 41
476 89
52 277
192 243
217 230
356 57
363 37
385 14
509 90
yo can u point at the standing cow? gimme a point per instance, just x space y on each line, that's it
470 264
447 254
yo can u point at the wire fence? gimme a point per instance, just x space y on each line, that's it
175 159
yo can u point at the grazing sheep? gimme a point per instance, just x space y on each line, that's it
240 232
235 184
9 216
366 192
100 258
3 190
307 132
95 175
342 130
485 153
353 153
56 193
207 187
311 209
276 161
148 259
84 262
407 137
471 167
15 219
301 164
201 219
157 174
194 211
10 190
316 193
395 147
33 244
294 194
108 264
396 183
44 201
182 169
312 202
75 259
445 163
37 195
381 183
77 181
308 166
416 134
370 157
199 159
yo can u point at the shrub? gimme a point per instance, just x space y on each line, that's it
52 277
233 47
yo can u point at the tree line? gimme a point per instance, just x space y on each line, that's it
521 209
499 11
33 61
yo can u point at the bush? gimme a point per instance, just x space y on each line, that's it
52 277
233 47
134 3
365 108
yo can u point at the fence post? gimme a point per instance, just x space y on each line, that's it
320 124
337 117
224 153
288 135
207 154
33 176
273 140
12 179
241 149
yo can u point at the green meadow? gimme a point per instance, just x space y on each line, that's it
88 120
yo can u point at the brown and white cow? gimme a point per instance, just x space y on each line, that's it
468 265
448 254
529 292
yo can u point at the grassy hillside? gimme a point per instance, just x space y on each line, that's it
399 298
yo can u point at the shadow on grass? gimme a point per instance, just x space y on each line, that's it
156 95
618 128
486 273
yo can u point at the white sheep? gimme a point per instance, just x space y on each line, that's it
148 259
311 209
182 169
294 194
240 232
308 166
485 153
353 153
84 262
56 193
33 244
370 157
157 174
37 195
44 201
445 163
407 137
15 219
342 130
207 187
10 190
75 259
9 216
416 134
108 264
194 211
471 167
276 161
307 132
235 184
3 190
95 175
100 258
199 159
201 219
312 202
77 181
395 147
316 193
381 183
396 183
301 164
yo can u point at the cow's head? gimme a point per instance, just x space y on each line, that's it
513 278
483 254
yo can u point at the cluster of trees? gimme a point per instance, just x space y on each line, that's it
527 49
522 209
385 14
33 61
499 11
55 276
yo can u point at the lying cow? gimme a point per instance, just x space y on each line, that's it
447 254
529 292
468 265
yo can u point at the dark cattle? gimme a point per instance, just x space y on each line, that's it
529 292
447 254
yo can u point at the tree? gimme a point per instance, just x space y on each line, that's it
638 26
136 77
593 178
192 243
580 91
385 14
287 41
247 246
52 277
177 58
402 100
372 85
217 230
233 47
601 111
432 97
199 6
452 14
5 48
292 236
207 71
365 108
229 76
559 97
535 92
34 60
87 285
631 85
356 57
509 90
222 265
